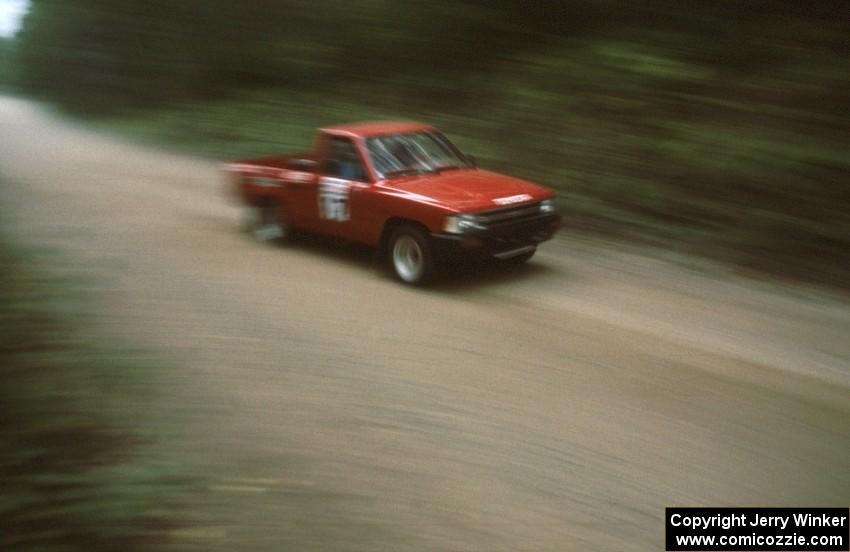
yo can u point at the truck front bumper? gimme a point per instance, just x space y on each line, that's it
502 241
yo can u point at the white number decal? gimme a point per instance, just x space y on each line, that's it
333 199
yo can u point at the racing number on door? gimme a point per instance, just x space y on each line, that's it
334 194
343 168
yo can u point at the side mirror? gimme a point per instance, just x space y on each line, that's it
304 164
471 159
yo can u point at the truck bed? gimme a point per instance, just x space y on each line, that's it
273 161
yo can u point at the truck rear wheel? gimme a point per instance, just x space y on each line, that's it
265 222
410 255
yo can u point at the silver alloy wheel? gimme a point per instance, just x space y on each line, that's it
408 259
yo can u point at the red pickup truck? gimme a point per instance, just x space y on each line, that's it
401 187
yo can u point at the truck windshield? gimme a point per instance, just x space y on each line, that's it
396 155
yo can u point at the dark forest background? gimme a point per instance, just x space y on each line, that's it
716 127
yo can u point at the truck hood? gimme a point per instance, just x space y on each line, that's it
471 190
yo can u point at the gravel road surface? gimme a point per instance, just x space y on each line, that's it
558 406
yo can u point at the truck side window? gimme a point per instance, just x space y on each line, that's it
343 160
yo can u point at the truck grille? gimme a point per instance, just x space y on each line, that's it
514 213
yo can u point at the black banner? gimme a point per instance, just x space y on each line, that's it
699 529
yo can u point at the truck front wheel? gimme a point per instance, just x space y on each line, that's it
410 255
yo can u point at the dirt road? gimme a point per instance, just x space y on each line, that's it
560 406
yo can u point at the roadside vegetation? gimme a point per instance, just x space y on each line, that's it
8 66
715 128
74 427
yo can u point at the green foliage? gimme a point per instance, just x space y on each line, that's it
8 71
71 465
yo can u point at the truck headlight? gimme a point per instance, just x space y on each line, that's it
458 224
547 206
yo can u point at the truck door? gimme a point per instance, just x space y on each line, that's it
342 180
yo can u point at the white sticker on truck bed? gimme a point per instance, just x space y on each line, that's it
296 176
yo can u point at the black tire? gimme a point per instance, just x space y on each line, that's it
265 223
410 256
